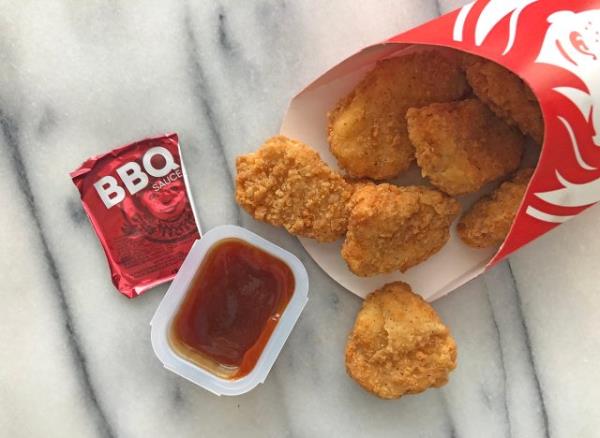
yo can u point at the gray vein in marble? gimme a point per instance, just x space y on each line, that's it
177 396
502 363
76 212
223 34
10 131
200 91
46 122
449 419
280 395
230 47
530 355
271 15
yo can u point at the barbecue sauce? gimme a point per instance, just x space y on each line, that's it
231 308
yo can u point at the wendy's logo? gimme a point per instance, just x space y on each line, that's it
160 215
572 42
166 203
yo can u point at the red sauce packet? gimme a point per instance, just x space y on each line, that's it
138 201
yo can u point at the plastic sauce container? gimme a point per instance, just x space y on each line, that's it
229 310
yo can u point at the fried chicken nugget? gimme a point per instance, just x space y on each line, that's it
461 146
358 184
488 221
285 183
398 344
507 95
367 129
394 228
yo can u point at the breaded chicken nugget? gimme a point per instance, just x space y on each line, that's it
461 146
488 221
507 95
399 345
285 183
367 129
393 228
359 184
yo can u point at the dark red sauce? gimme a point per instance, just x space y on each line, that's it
231 308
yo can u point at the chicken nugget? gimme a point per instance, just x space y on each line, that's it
488 221
285 183
507 95
399 345
357 185
394 228
367 129
461 146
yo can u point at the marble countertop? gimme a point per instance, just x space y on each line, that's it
78 78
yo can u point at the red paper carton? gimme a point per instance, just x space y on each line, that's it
554 46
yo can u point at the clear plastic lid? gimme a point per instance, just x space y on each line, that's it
169 306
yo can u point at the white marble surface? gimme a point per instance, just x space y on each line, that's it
77 78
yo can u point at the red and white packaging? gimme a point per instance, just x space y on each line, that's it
554 46
138 201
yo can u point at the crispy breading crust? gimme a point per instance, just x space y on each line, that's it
285 183
506 94
394 228
367 129
461 146
398 344
357 185
488 221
